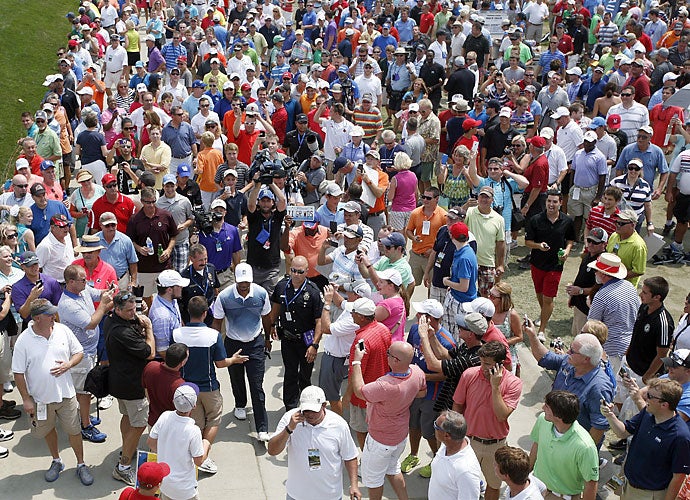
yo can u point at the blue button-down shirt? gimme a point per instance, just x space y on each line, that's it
652 160
119 253
590 388
180 139
165 317
41 223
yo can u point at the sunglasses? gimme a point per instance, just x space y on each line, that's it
297 271
627 94
593 242
127 128
621 223
634 168
21 185
424 197
112 224
11 236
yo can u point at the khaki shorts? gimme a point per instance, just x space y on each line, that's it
485 455
80 371
66 411
358 419
164 497
632 493
418 264
136 409
148 280
208 410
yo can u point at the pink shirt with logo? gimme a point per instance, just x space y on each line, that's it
388 405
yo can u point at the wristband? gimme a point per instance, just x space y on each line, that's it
287 429
356 363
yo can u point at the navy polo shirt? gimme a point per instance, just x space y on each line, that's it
657 451
41 223
589 388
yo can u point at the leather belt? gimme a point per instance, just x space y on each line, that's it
486 441
375 214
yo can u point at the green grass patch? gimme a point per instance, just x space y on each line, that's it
30 32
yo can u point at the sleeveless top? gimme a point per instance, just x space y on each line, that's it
405 199
507 332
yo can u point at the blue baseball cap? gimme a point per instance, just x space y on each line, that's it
394 240
266 193
183 170
343 68
167 178
198 84
313 223
597 122
46 164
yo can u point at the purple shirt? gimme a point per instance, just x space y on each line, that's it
155 59
22 288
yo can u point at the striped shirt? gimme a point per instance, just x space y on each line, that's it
635 196
616 305
607 33
547 57
599 218
632 119
344 264
370 121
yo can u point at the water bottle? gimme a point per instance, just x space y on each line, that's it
149 246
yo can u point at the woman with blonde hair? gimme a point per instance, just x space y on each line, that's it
417 90
507 319
402 192
132 44
455 184
9 237
22 217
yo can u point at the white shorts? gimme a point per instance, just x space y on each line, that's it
379 461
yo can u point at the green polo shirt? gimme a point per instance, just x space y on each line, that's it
564 463
633 253
401 265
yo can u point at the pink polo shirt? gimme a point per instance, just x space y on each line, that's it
388 405
103 275
474 392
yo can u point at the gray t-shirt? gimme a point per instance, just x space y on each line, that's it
75 313
181 209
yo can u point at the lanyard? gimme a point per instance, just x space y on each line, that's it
301 289
300 140
192 274
399 375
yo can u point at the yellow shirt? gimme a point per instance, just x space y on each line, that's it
632 252
159 156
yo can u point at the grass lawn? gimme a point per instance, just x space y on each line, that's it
30 32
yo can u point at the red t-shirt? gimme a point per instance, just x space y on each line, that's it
123 209
641 85
279 121
377 340
245 142
598 218
103 275
160 384
426 21
659 118
537 174
35 164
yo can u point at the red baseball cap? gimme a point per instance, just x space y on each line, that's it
108 178
459 229
614 122
537 141
245 86
470 123
150 474
287 74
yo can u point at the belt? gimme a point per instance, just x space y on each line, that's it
486 441
535 24
565 497
334 356
182 157
218 271
113 72
586 188
375 214
420 254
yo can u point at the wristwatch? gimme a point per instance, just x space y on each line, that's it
315 345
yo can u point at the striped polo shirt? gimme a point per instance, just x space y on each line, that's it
370 121
635 196
616 305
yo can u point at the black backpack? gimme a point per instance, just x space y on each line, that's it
97 381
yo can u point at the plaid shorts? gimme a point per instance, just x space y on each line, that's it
486 279
451 307
180 256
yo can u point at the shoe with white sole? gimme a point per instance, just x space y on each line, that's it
105 403
541 337
6 435
209 466
264 436
7 387
240 413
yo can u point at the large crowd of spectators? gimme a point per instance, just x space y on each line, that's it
184 150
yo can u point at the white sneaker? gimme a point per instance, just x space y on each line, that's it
541 337
209 466
105 403
264 436
240 413
7 387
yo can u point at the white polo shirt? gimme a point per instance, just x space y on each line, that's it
335 445
342 335
34 356
54 256
455 476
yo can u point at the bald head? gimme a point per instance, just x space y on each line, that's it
19 185
401 354
300 262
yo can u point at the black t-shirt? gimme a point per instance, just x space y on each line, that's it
584 279
445 250
556 234
125 184
257 253
478 44
128 353
298 144
495 140
192 192
299 309
431 74
651 330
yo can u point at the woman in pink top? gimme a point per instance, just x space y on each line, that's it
402 191
392 310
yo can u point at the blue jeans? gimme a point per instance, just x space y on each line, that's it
254 368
